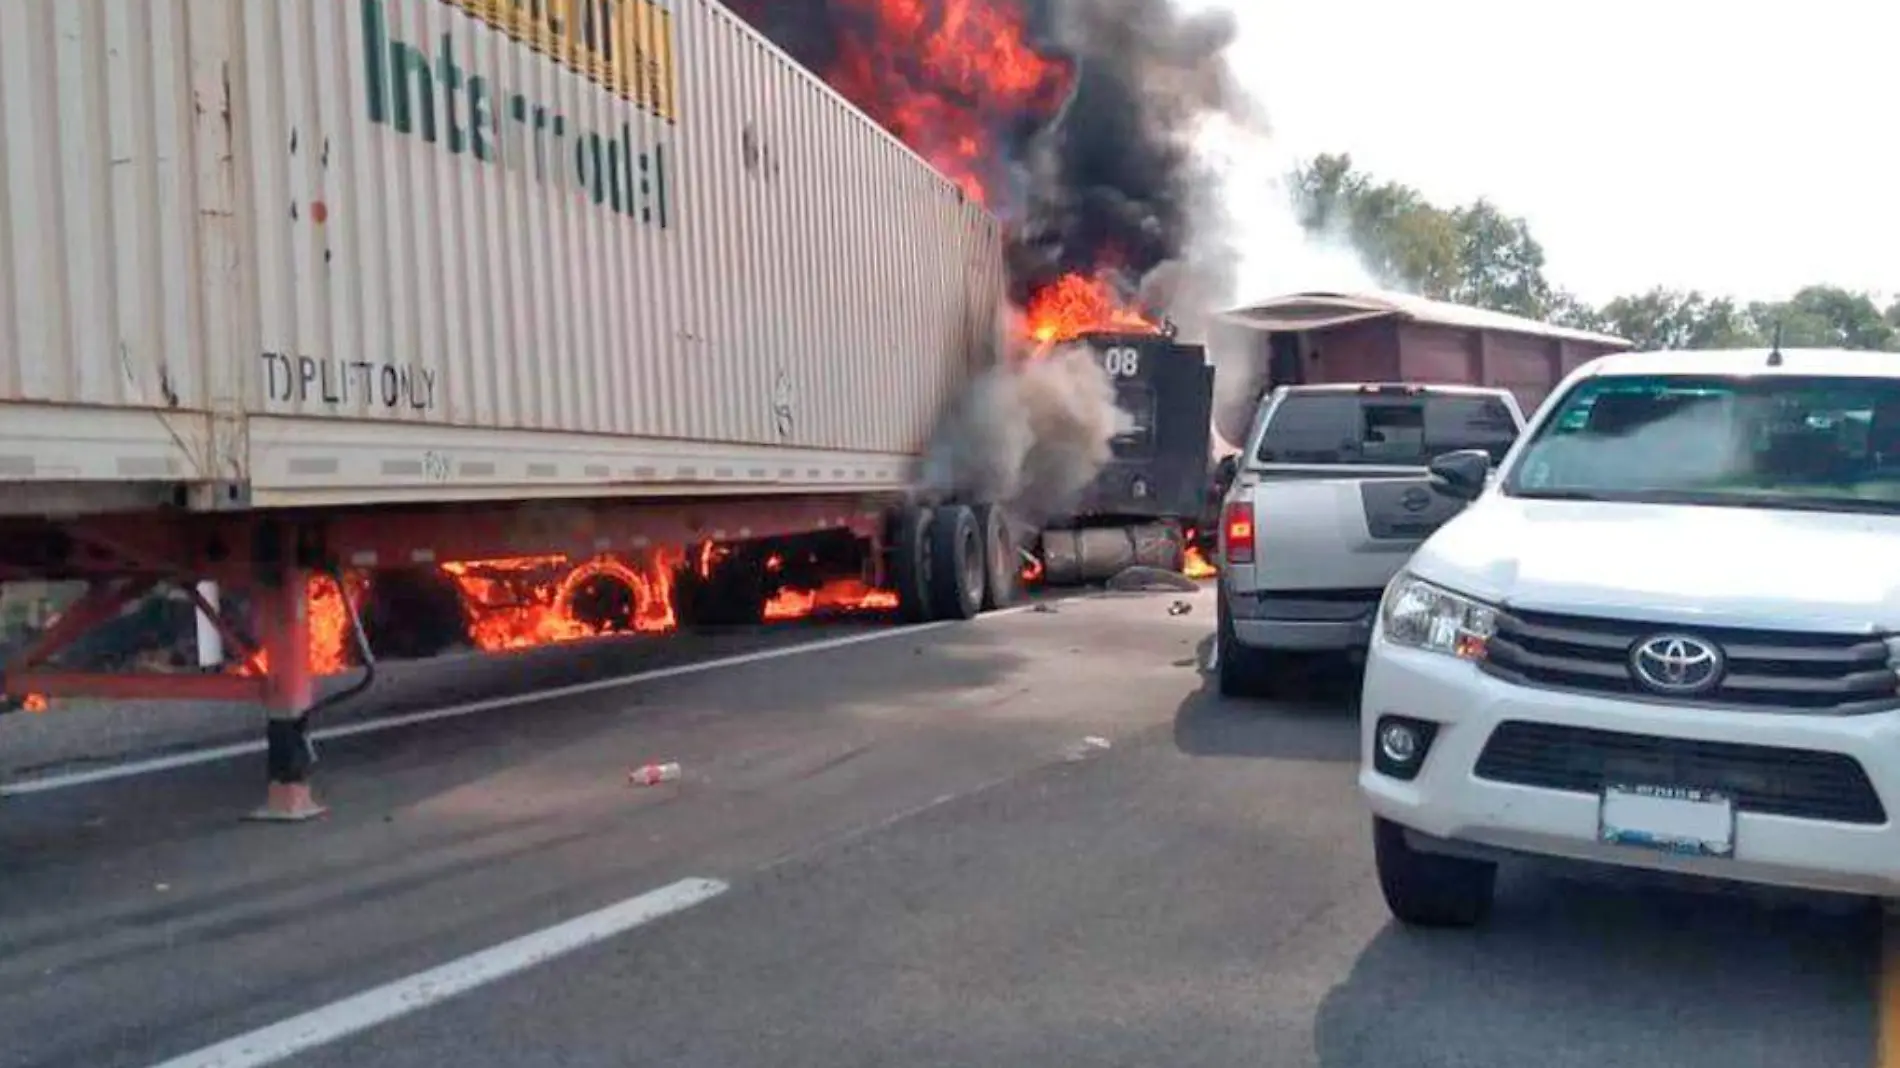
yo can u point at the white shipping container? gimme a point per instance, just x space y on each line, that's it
317 252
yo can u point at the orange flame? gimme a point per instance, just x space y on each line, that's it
1032 570
946 77
35 703
1076 304
841 595
524 602
331 635
1197 565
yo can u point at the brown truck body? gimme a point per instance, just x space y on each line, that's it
1316 338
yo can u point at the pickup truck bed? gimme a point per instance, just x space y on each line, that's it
1331 498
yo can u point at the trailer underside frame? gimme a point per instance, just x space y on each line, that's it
271 557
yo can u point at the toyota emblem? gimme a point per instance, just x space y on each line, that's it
1677 664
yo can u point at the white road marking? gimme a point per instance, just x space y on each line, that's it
193 757
340 1019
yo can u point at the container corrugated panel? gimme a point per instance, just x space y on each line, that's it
362 250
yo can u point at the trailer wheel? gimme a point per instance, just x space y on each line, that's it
732 596
958 564
910 561
1003 577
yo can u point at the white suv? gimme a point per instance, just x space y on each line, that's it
1664 636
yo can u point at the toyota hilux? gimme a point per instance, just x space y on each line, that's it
1663 636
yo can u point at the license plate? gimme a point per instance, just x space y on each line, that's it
1668 818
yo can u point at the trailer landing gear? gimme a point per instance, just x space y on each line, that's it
289 696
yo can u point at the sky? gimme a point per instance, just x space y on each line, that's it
1745 149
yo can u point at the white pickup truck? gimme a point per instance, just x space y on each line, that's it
1664 636
1328 499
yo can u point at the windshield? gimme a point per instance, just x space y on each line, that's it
1395 427
1773 441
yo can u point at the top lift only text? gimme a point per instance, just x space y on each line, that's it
348 383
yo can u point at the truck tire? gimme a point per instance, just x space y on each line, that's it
1241 671
412 613
732 596
958 563
910 563
1427 890
1003 576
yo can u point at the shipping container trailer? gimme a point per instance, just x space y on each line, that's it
1152 496
1323 337
321 284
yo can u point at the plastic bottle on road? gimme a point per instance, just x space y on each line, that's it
654 774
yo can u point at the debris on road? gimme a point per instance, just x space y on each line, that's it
1085 748
1141 579
1046 608
654 774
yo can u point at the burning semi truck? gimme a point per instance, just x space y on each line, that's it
543 320
1150 503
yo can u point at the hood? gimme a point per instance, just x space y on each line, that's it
1687 564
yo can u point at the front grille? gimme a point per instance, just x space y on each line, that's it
1784 782
1832 673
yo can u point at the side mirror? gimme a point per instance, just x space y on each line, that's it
1461 474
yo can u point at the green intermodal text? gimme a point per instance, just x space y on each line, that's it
440 100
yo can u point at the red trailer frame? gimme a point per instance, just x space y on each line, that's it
272 555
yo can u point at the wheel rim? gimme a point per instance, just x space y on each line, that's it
972 564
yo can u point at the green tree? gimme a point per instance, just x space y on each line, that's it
1827 317
1475 255
1480 255
1565 308
1671 319
1405 241
1500 265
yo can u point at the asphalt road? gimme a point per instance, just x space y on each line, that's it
928 861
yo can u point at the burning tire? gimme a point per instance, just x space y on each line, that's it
604 602
414 613
1002 585
959 564
732 595
910 560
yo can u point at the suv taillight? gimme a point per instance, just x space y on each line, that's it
1237 533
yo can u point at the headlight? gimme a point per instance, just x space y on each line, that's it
1419 614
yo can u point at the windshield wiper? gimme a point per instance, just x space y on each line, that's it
1854 505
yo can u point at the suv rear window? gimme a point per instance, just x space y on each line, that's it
1384 429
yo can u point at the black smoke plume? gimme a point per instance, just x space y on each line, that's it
1098 180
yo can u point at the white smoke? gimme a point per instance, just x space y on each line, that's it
1030 434
1250 218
